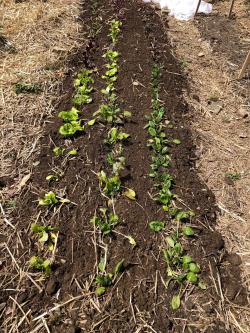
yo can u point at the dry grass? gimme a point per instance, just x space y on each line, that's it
222 137
43 34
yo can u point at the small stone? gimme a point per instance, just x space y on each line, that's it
242 112
243 136
201 54
52 287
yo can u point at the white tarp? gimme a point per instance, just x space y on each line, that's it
183 9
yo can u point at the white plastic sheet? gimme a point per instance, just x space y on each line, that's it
183 9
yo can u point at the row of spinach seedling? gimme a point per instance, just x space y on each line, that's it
109 113
113 118
181 268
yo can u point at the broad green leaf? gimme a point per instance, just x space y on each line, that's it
100 291
188 231
156 225
176 302
45 237
170 241
102 265
91 122
193 267
72 152
192 277
129 193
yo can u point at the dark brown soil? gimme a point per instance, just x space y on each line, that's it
139 298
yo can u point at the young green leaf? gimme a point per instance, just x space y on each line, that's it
176 302
58 151
119 267
100 291
176 141
156 226
102 265
193 267
188 231
73 152
170 241
49 199
192 277
129 193
91 122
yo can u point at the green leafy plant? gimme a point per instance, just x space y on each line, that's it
72 122
110 185
157 225
114 135
83 87
105 280
115 30
58 151
46 235
40 264
50 199
27 88
105 221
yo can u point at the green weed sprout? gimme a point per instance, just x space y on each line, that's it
46 235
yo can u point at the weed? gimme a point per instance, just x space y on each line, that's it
157 225
233 176
27 88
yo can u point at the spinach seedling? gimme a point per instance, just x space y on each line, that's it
114 135
83 87
50 199
46 235
110 185
41 264
105 221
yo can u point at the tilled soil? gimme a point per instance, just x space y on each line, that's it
138 302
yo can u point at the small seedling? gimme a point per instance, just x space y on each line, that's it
115 30
105 280
129 193
40 264
46 235
110 185
58 151
114 135
51 178
233 176
83 87
157 226
50 199
105 221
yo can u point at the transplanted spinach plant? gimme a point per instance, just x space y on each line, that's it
72 122
105 221
40 264
46 234
83 87
111 186
104 280
51 199
180 267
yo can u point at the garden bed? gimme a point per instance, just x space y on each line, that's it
137 298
